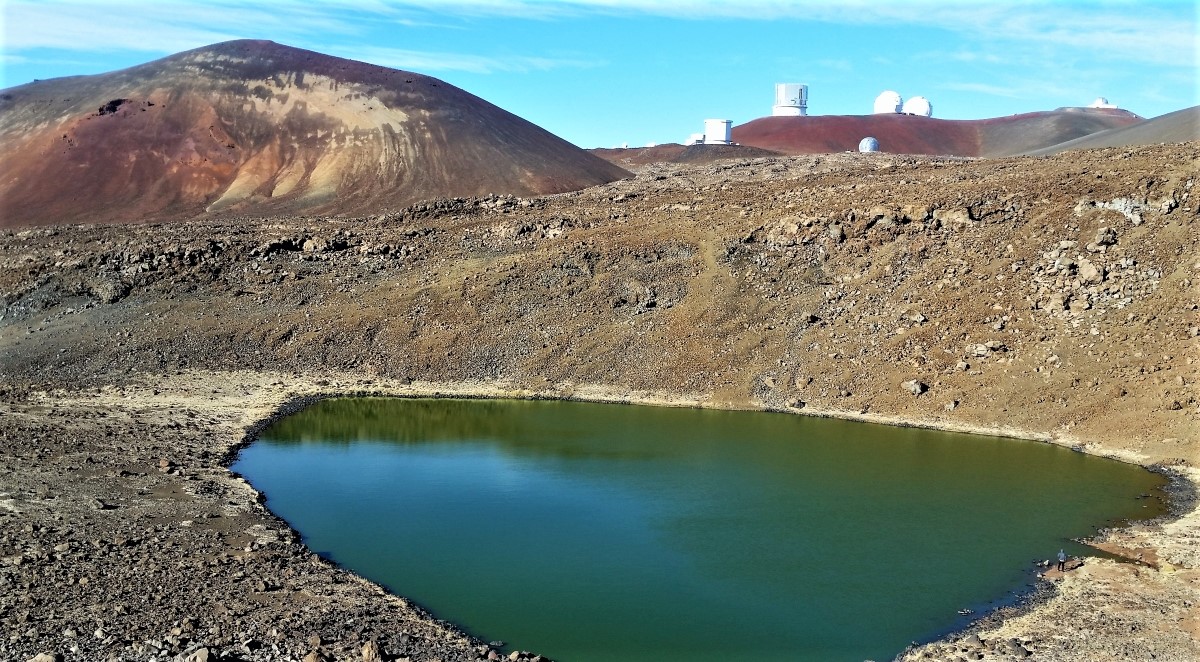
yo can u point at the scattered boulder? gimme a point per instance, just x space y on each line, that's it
916 213
1127 207
915 386
200 655
881 216
1090 274
1055 303
371 652
952 217
108 289
1016 648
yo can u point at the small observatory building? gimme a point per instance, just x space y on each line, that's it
718 132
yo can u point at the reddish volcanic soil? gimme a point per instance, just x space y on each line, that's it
254 127
909 134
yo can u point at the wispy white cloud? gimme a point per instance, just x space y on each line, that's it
967 56
984 88
1159 32
836 64
1071 85
1154 31
147 27
1152 27
423 61
174 25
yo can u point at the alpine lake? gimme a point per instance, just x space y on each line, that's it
591 531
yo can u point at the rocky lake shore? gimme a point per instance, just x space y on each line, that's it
1050 298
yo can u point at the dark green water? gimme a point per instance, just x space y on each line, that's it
608 532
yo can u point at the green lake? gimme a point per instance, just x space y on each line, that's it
612 532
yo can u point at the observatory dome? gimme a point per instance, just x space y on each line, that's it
868 144
1102 102
918 106
791 100
888 102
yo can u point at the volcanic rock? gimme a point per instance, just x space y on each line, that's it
914 386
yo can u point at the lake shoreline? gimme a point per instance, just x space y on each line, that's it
1180 495
195 422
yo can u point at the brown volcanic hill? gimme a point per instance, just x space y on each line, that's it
1177 127
258 127
910 134
632 157
697 154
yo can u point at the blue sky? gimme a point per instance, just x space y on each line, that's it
608 72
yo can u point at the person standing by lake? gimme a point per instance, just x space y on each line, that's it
1062 561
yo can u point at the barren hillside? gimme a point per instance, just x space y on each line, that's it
1179 126
258 127
1053 298
909 134
741 280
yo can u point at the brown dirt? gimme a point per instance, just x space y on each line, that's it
1049 298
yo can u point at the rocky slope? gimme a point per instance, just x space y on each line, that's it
1052 298
258 127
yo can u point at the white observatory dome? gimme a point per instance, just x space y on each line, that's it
1102 102
791 100
888 102
868 144
918 106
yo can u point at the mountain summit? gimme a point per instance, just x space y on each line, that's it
255 127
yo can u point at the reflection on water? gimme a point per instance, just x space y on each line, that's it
587 531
